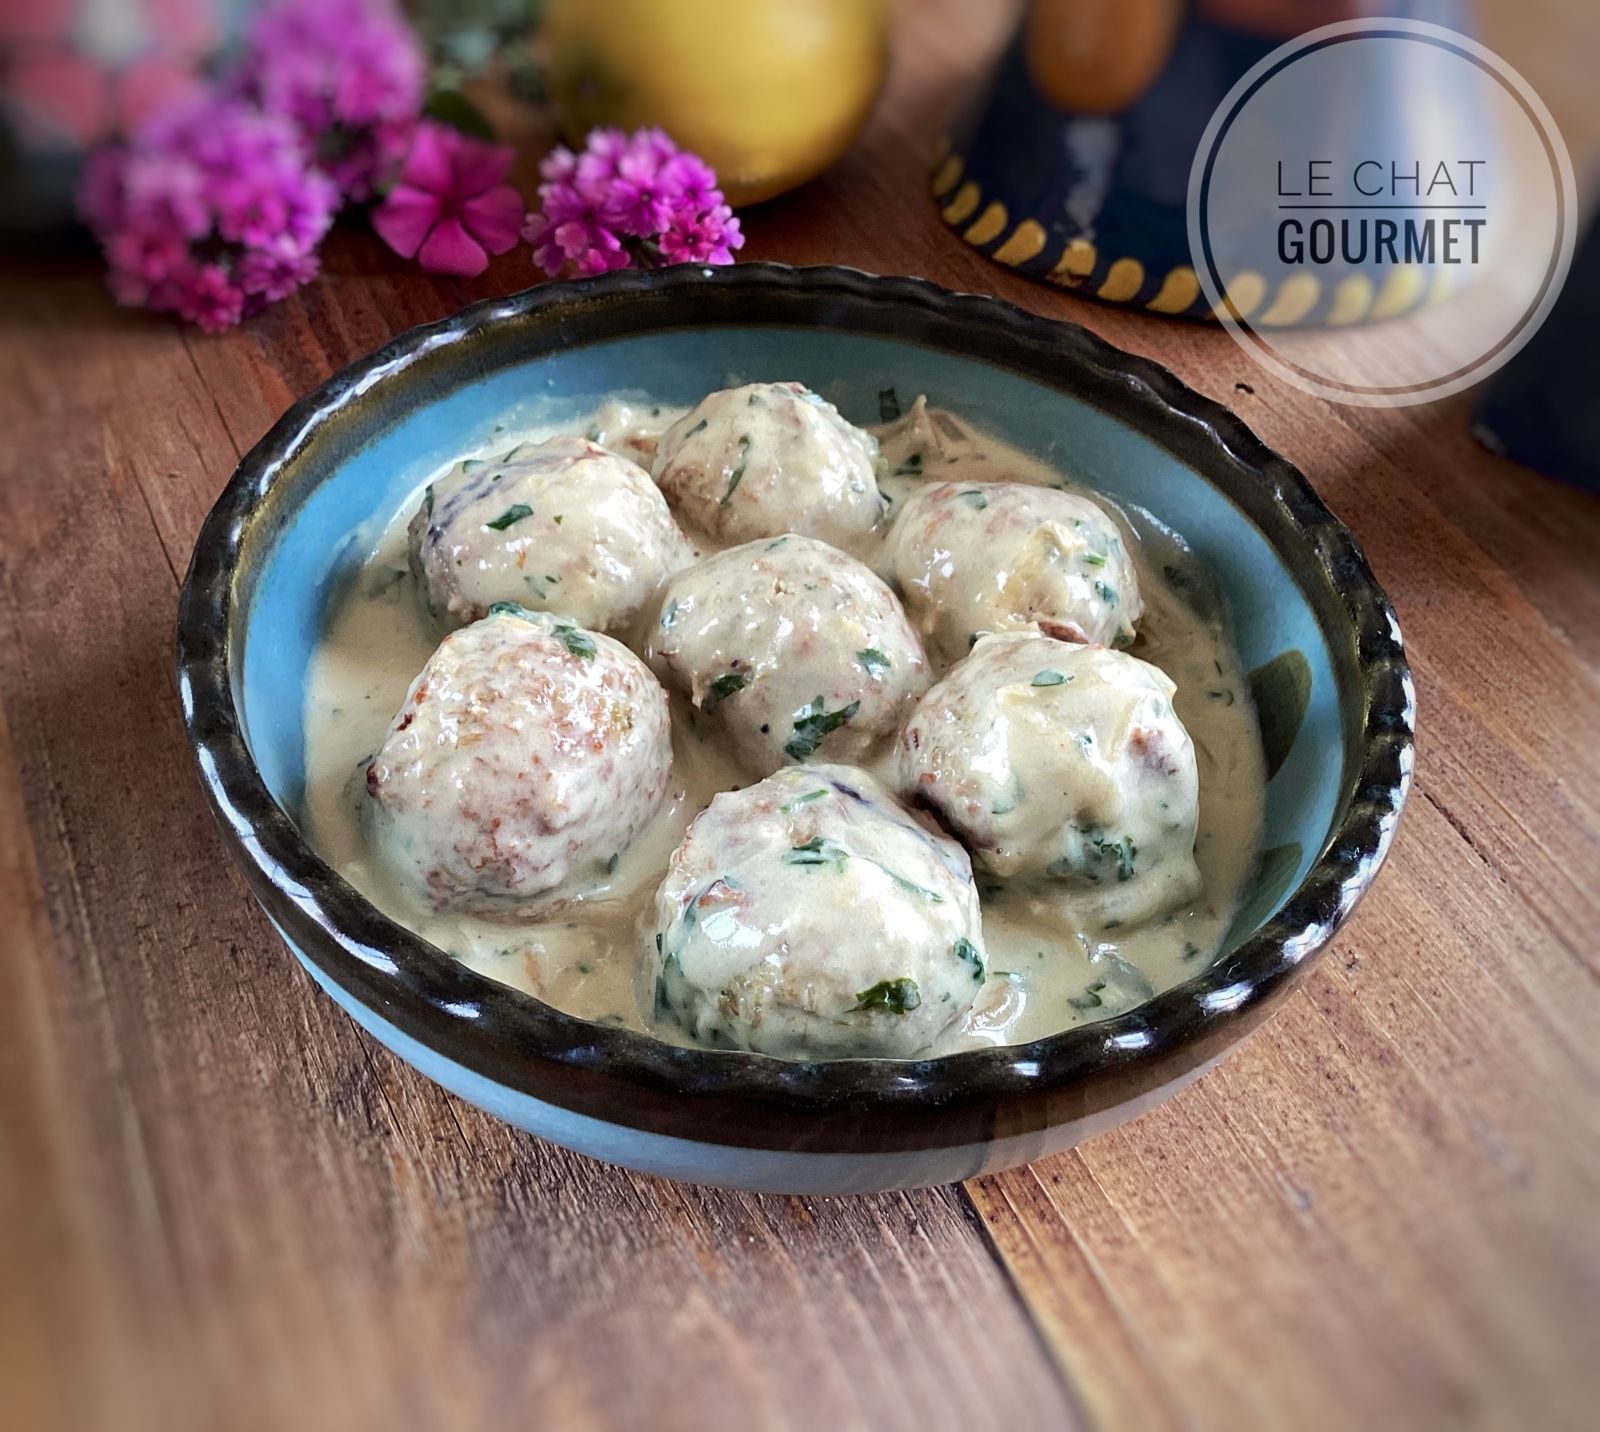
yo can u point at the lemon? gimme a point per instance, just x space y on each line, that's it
767 92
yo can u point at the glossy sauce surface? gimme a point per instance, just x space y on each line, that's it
1052 964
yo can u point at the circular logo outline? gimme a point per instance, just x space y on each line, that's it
1556 271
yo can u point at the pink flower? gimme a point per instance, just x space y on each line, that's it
628 199
205 295
451 208
210 210
274 273
349 74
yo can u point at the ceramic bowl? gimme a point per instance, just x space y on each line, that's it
1320 637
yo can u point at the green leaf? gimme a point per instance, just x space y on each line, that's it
579 643
812 723
724 687
967 952
515 513
974 499
738 472
1094 559
815 795
1090 998
816 851
451 107
897 996
509 609
1048 677
874 660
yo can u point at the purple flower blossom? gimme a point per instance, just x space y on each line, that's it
628 199
452 207
349 74
210 210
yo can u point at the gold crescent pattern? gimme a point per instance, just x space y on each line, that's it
1080 264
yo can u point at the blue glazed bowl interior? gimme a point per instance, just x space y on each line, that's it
323 539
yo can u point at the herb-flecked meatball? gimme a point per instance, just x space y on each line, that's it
771 458
1059 762
790 648
562 526
812 916
528 754
977 557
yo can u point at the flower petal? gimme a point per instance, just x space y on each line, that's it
451 249
479 166
431 163
404 219
495 218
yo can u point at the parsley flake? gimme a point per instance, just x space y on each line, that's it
897 996
515 513
814 722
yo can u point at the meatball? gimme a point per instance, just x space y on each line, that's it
529 753
986 557
790 648
811 916
771 458
565 527
1061 763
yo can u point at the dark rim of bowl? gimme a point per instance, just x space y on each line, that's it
631 1078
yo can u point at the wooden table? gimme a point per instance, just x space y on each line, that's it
222 1206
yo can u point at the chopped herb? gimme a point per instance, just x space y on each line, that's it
579 643
512 453
1191 951
788 806
812 723
911 467
967 952
1226 697
508 609
1090 998
669 613
753 399
427 500
1106 593
816 851
1123 638
724 687
557 519
888 405
698 427
611 865
473 464
776 543
1049 677
515 513
974 499
1122 850
933 897
738 472
897 996
874 660
1094 559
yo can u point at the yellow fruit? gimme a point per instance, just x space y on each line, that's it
767 92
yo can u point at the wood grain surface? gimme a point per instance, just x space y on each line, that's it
222 1206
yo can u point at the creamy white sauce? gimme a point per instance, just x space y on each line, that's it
1051 968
